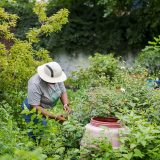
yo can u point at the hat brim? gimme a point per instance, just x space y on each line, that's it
48 79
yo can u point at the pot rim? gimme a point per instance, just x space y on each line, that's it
111 122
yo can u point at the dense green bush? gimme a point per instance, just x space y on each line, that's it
101 71
19 62
139 141
107 87
25 155
95 26
10 134
150 57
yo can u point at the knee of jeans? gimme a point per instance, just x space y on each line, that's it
25 104
40 121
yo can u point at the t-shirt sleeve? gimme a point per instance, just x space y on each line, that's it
34 94
62 87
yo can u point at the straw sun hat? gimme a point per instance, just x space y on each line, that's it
51 72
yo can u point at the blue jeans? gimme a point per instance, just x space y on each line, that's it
27 118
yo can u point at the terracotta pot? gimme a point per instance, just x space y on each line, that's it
109 126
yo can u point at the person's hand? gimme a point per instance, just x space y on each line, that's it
67 108
60 118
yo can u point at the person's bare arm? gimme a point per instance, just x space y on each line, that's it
45 113
64 98
65 102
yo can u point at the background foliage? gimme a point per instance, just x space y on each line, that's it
95 26
150 57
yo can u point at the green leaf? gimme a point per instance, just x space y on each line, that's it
128 156
138 153
133 146
143 143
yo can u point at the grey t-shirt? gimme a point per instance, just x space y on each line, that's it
43 93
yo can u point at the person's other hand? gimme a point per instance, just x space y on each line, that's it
60 118
67 108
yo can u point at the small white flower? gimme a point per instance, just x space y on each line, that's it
123 67
122 89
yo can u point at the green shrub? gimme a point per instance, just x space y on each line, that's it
102 69
150 57
139 141
142 140
19 62
127 89
25 155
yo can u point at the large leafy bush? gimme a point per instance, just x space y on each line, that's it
19 62
150 56
101 71
138 142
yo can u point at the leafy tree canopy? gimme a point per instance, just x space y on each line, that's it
19 61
